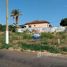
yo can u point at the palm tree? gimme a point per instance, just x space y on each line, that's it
15 14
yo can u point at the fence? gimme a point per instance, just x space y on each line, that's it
53 29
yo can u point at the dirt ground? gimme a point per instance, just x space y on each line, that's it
28 59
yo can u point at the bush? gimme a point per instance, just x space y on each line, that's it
5 46
12 28
27 36
44 41
46 35
64 49
52 49
49 48
31 47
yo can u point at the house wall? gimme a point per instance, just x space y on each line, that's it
53 29
37 25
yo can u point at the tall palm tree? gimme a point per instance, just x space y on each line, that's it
15 14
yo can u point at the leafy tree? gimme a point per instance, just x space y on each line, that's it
63 22
0 27
12 28
3 27
15 14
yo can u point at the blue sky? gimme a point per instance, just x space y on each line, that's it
50 10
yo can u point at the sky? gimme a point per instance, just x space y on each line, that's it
50 10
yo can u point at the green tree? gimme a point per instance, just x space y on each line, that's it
0 27
63 22
11 28
3 27
15 14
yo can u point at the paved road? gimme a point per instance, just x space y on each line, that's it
24 59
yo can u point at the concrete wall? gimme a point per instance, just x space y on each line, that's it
44 29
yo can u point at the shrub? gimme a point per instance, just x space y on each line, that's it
31 47
27 36
64 49
46 35
52 49
62 35
5 46
44 41
49 48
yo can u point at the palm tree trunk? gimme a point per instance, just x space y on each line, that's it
16 22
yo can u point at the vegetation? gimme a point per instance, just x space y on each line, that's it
15 14
48 41
11 28
63 22
3 27
0 27
40 47
5 46
46 35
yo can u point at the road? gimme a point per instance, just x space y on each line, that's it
27 59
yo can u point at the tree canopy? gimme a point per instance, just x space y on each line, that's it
15 14
63 22
0 27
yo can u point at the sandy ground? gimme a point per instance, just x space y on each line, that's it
28 59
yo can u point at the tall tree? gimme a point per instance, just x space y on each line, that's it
15 14
63 22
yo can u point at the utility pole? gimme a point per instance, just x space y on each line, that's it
7 32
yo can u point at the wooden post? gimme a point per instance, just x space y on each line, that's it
58 41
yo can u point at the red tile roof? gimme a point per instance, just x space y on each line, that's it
37 22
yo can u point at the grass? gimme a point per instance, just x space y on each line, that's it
48 41
6 46
50 48
64 49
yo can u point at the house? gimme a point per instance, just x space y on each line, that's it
36 26
39 26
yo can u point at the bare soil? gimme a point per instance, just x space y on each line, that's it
28 59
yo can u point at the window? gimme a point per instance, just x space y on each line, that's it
29 26
34 25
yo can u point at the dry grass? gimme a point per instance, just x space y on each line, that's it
17 39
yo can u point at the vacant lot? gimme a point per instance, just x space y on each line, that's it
52 42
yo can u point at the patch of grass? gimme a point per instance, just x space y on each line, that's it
48 41
46 35
27 36
52 49
64 49
6 46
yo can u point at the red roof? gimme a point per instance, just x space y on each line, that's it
37 22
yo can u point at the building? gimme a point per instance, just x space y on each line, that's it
39 26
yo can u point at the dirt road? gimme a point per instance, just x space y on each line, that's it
27 59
